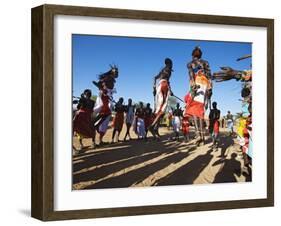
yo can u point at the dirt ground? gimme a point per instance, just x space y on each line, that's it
138 163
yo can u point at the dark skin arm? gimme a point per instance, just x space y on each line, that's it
156 78
190 73
154 84
218 114
165 73
207 69
211 115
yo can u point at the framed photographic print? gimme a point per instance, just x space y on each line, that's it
141 112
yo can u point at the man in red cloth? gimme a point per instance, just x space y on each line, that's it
161 93
198 98
82 120
214 124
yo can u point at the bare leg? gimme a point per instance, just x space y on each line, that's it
156 130
197 132
201 129
118 134
146 131
128 131
155 121
93 142
152 127
81 143
155 124
113 135
126 134
246 159
159 114
100 139
186 138
177 136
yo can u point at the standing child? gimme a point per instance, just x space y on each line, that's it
177 115
229 122
139 121
185 128
214 118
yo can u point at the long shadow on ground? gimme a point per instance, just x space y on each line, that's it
231 167
188 172
126 156
225 141
138 175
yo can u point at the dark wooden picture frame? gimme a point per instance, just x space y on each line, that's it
43 112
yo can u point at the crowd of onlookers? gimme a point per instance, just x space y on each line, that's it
137 118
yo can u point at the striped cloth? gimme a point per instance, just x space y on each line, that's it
195 105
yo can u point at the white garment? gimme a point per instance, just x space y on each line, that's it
140 128
130 115
104 125
176 123
159 105
99 103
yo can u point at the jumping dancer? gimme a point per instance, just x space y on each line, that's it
105 85
161 93
200 92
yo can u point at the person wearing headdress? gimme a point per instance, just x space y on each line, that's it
106 88
82 120
129 110
162 92
118 120
104 100
198 98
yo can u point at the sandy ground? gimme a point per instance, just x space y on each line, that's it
156 163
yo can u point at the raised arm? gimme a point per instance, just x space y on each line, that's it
156 78
190 73
207 69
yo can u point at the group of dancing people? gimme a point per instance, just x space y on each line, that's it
92 117
181 122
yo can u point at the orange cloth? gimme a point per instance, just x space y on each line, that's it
118 121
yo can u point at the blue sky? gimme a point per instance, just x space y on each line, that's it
140 59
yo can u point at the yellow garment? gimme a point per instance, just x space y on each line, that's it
241 125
